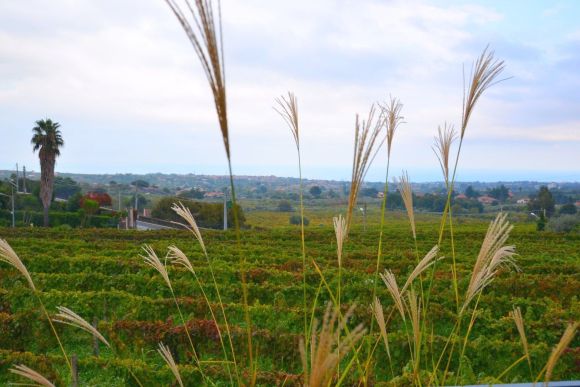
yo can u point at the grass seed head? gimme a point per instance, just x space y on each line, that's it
407 195
325 349
67 316
153 260
442 148
340 232
558 350
205 36
184 212
288 110
8 255
366 139
31 375
168 358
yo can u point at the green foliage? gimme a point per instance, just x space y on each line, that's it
542 201
471 193
568 209
209 215
194 193
500 193
285 206
315 191
296 220
564 223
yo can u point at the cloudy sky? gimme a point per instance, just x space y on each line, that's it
121 78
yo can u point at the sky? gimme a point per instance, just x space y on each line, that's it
123 81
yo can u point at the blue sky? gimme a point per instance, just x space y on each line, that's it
123 81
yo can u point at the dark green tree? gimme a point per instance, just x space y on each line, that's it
47 140
569 209
315 191
542 202
471 193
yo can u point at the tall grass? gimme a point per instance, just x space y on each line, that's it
329 351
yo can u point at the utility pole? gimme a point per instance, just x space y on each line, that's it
24 178
17 185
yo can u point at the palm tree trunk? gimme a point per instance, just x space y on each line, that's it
47 162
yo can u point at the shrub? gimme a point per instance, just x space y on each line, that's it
285 206
295 220
564 223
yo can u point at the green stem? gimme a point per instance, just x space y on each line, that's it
68 363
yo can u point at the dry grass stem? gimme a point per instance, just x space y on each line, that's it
427 261
153 260
442 148
168 358
288 110
407 195
31 374
484 74
519 321
415 313
392 114
391 283
366 136
67 316
377 309
340 232
325 349
565 341
186 215
492 256
206 39
10 257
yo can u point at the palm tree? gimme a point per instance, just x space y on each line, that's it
47 140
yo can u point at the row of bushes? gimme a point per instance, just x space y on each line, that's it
58 219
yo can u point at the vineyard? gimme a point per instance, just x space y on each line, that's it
101 275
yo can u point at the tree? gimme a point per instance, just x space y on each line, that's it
285 206
500 193
471 193
568 209
543 201
47 140
315 191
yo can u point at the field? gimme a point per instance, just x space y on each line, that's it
100 275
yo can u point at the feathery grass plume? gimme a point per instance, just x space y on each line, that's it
377 309
366 135
427 261
10 257
288 110
391 283
325 351
153 260
67 316
392 113
206 39
415 313
519 321
31 374
491 256
442 148
407 195
184 212
340 232
168 358
565 340
178 257
484 74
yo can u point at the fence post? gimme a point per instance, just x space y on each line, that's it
75 370
95 339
